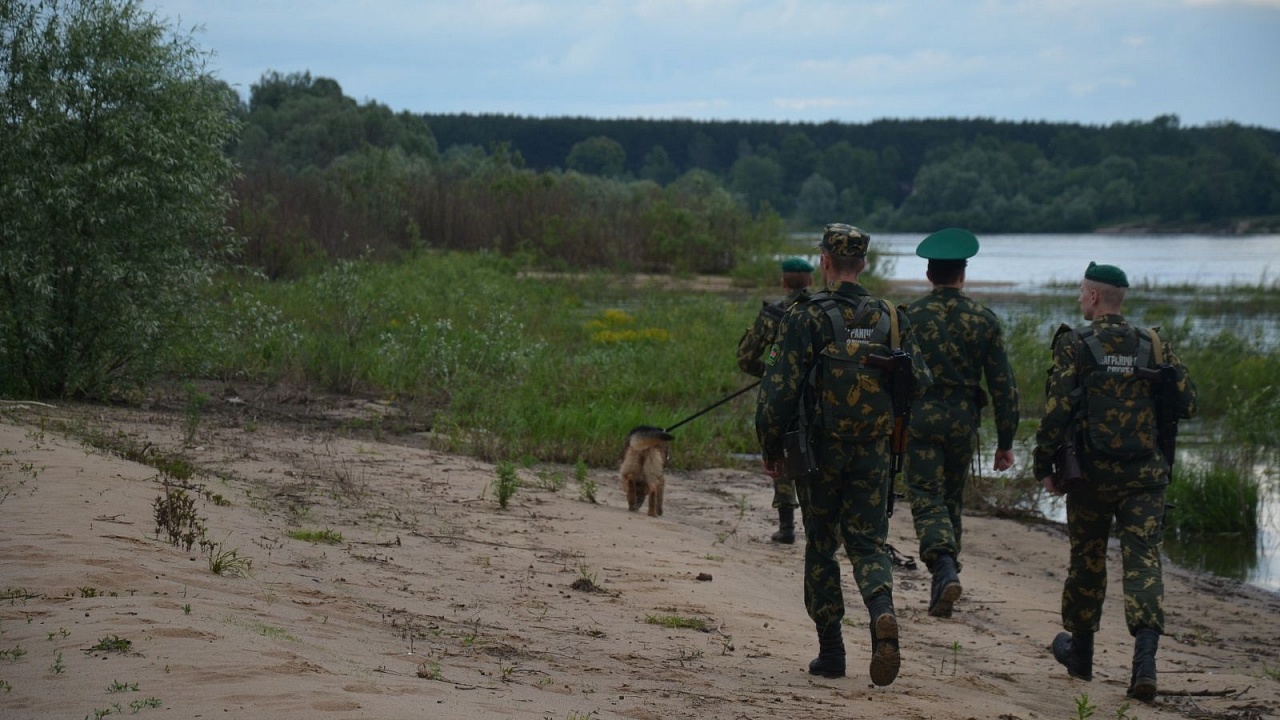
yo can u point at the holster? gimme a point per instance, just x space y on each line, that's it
1067 474
799 462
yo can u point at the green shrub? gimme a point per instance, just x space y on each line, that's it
114 193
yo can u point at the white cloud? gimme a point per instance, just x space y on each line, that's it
1257 3
1081 89
766 59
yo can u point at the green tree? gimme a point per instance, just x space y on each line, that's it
295 122
846 166
816 204
797 156
658 166
597 156
114 186
758 180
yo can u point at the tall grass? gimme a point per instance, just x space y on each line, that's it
1218 494
504 364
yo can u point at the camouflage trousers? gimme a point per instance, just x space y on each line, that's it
1139 522
847 505
784 493
936 471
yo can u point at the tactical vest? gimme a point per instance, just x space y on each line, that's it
852 395
1115 407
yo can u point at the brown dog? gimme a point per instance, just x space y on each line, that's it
644 455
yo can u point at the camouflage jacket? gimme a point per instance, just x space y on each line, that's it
802 335
1072 360
962 341
757 339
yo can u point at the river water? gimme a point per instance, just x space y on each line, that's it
1175 267
1030 263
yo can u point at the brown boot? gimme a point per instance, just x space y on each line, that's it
885 656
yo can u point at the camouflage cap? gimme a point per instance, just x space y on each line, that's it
797 265
948 244
1109 274
842 239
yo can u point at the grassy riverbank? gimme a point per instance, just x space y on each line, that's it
511 366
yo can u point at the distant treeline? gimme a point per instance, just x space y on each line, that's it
920 174
325 176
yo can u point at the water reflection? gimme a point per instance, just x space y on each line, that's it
1251 559
1232 555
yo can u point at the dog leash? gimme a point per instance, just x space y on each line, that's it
713 406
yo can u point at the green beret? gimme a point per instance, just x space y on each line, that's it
797 265
842 239
1109 274
948 244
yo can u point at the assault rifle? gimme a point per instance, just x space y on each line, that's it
902 380
1164 382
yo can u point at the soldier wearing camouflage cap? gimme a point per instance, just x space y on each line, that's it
797 276
962 342
1100 396
844 500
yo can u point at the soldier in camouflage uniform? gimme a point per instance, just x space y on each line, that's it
847 499
1094 397
961 341
797 276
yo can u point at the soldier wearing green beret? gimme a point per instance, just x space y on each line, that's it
849 419
962 342
1102 396
797 276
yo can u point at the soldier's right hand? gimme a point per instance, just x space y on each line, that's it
772 469
1004 460
1051 485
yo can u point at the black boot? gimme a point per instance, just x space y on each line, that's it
1142 684
1075 651
786 526
830 660
946 586
885 656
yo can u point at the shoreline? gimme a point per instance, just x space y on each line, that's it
436 601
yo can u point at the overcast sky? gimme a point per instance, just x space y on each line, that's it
1089 61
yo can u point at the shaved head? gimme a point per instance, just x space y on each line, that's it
1099 298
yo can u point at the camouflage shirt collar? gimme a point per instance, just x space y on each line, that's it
948 291
848 288
1105 320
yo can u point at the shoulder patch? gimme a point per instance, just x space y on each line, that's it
772 358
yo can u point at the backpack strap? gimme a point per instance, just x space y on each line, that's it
895 339
1157 346
1149 345
830 304
1091 341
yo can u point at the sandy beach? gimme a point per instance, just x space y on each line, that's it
439 603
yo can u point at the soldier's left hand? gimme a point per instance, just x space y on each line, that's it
772 469
1050 485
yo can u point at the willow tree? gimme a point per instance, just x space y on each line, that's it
113 190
